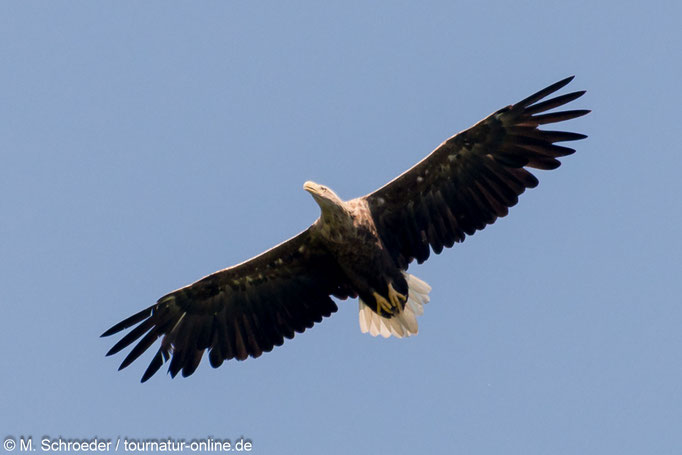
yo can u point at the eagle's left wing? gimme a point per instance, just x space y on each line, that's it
241 311
472 178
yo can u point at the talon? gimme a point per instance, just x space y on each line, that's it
397 299
382 304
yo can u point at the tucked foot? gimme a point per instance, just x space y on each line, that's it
382 304
393 305
397 299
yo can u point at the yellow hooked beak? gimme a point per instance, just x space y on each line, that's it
310 187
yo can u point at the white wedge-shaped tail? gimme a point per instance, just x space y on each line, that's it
405 323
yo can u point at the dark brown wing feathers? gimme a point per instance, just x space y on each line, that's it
465 184
238 312
472 178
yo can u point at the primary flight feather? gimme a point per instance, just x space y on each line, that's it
358 248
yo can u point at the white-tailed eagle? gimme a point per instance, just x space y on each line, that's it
358 248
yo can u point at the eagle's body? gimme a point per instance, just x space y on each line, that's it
361 247
370 271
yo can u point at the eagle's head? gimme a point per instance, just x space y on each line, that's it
323 195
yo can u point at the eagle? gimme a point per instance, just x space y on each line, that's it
358 248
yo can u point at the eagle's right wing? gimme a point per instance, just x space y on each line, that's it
472 178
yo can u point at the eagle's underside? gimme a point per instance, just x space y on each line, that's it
359 248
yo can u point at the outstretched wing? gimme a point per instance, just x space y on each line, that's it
472 178
240 311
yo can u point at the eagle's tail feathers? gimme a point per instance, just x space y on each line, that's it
403 324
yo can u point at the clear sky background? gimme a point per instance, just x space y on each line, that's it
144 145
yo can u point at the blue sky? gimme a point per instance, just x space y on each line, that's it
145 145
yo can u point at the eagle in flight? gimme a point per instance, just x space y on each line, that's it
358 248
